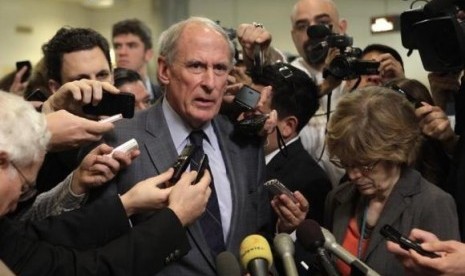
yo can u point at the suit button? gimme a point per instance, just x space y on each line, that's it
177 253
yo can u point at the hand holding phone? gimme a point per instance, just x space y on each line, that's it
393 235
275 187
247 98
26 75
112 104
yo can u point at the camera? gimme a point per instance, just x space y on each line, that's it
437 33
347 65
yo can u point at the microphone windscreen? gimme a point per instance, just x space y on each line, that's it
318 31
309 235
283 244
253 247
227 264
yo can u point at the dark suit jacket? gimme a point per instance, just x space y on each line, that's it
71 244
299 171
413 203
245 165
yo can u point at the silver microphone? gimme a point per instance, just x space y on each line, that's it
284 246
344 255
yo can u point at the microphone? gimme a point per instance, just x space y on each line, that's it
227 264
256 255
284 246
310 236
345 256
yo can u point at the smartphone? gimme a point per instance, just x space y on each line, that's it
393 235
203 166
20 65
275 187
181 164
36 95
252 125
112 104
247 98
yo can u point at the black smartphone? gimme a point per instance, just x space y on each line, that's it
203 166
392 234
36 95
251 125
247 98
275 187
20 65
112 104
181 164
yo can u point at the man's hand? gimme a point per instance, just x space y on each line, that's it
290 213
146 195
73 95
451 261
389 67
250 35
18 87
98 167
189 201
435 124
71 131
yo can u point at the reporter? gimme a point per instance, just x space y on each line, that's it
95 240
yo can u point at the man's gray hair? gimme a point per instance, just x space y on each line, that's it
23 130
168 39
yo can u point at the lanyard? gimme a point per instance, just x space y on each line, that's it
362 233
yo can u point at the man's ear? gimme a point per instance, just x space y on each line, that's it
148 55
343 26
289 127
53 85
163 71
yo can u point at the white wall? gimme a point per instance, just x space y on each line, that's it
46 16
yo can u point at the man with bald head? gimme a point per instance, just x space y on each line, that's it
195 58
304 14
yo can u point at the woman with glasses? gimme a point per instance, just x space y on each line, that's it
375 136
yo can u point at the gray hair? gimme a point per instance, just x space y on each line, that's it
168 39
23 130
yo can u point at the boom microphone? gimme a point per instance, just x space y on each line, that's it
256 255
310 236
284 246
227 264
345 256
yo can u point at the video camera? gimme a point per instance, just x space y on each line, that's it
437 33
345 66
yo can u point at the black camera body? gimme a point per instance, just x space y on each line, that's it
437 34
347 65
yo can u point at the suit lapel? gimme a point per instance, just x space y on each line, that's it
407 186
346 199
159 145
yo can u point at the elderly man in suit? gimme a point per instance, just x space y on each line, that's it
195 57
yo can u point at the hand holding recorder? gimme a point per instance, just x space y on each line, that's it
291 207
450 261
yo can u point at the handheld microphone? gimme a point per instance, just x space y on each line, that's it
310 236
227 264
284 246
345 256
256 255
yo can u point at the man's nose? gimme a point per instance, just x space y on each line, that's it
208 79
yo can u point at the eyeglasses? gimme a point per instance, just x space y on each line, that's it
364 169
28 189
